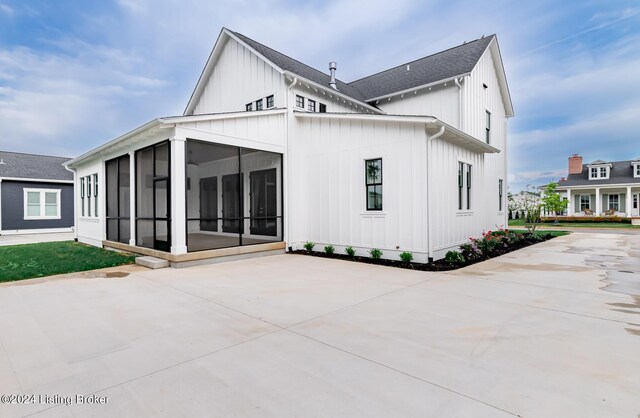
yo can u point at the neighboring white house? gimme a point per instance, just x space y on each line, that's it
602 187
271 153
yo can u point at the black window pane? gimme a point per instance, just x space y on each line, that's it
249 107
270 102
323 108
259 104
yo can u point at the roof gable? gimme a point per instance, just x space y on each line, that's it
33 166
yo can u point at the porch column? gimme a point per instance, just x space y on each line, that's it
629 201
132 198
178 196
598 208
570 209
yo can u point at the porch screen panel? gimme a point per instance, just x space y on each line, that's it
234 196
111 169
117 196
144 198
124 199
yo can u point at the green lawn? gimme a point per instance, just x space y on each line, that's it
520 222
27 261
554 233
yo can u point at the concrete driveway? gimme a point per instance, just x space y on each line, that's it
549 331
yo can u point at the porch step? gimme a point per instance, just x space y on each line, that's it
635 221
152 262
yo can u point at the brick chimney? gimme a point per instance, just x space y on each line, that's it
575 164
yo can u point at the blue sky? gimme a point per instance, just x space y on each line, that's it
74 74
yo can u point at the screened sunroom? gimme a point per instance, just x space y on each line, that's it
232 197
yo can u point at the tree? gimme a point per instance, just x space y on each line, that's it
530 206
552 200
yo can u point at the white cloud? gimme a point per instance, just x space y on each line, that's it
6 10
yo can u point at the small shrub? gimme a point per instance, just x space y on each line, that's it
454 257
350 251
406 257
375 253
309 246
329 249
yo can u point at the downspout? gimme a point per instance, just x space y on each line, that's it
459 103
288 165
429 215
75 205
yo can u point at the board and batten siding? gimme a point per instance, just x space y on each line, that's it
239 77
327 186
12 209
441 102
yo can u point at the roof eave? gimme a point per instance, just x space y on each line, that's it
451 133
417 88
139 129
343 96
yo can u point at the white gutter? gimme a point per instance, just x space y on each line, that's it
36 180
463 137
287 164
113 142
429 216
421 87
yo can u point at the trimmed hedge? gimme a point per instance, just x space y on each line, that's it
586 219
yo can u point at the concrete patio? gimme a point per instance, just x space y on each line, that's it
551 330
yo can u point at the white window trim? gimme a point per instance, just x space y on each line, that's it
42 204
467 164
609 201
598 175
636 170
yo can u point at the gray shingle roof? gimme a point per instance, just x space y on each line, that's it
621 173
296 67
32 166
440 66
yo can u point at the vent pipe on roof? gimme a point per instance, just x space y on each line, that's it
332 68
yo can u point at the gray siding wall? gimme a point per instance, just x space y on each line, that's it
12 209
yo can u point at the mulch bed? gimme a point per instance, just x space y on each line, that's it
439 265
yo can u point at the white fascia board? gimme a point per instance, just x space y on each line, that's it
225 34
138 130
221 116
600 165
36 180
302 80
452 134
418 88
365 116
502 76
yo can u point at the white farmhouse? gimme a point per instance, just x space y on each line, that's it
609 188
271 153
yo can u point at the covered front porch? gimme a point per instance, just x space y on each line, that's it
620 201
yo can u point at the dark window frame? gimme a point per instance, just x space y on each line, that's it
270 102
372 184
500 193
460 184
82 196
249 107
88 196
488 127
311 105
469 177
299 101
95 194
259 104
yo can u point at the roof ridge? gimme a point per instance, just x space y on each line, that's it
282 53
421 58
37 155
